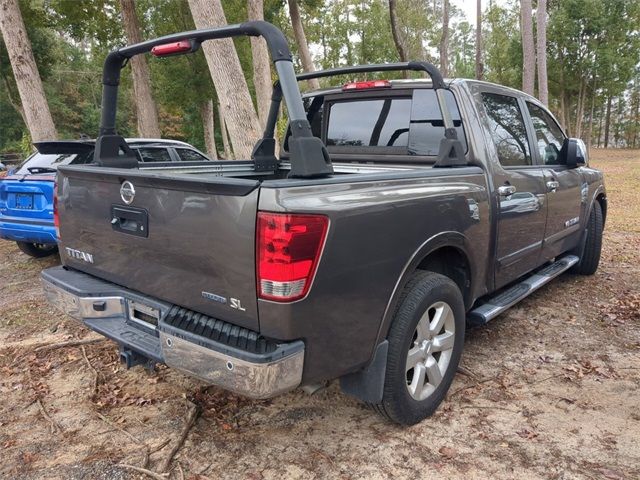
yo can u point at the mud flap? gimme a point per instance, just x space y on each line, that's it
368 384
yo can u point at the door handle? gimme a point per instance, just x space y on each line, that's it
552 186
506 190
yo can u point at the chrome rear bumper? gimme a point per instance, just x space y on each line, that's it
104 307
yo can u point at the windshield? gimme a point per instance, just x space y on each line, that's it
41 163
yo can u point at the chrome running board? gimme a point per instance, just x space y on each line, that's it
497 304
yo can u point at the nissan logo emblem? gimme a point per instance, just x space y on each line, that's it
127 192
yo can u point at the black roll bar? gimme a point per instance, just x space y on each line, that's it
309 156
451 152
434 73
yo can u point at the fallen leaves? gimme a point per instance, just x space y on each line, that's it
623 308
448 452
583 367
221 406
611 474
527 434
114 393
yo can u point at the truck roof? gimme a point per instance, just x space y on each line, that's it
424 83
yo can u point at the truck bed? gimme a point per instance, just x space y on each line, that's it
188 236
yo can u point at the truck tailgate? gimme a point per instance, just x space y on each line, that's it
186 240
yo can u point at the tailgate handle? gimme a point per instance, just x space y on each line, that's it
130 220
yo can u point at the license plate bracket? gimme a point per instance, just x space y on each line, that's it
24 201
143 315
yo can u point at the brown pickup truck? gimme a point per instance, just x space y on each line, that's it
396 213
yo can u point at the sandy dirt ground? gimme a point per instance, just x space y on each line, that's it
551 389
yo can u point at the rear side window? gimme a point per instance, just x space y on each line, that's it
507 129
410 125
187 155
154 155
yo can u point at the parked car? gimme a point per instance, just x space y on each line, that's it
26 194
397 212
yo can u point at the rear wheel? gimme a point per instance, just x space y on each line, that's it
590 258
425 345
38 250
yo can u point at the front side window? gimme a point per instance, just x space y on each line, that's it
507 129
549 137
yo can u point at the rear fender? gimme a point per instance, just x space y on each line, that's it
443 239
367 384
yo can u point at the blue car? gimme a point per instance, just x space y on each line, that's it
26 193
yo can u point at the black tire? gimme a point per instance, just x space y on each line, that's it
590 258
423 291
37 250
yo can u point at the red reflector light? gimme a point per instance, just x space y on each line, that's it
288 250
171 48
366 85
56 218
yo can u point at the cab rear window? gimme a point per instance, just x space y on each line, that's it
410 125
393 123
370 123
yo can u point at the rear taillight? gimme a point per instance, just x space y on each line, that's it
288 251
56 218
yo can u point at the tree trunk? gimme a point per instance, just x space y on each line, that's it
563 112
636 111
208 124
444 40
600 121
607 122
347 41
617 124
528 52
25 71
225 135
261 63
402 52
301 40
541 24
479 65
146 110
228 79
591 113
580 109
363 49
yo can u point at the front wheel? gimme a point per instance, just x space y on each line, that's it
425 345
38 250
590 257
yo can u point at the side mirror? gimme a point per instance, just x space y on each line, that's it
573 153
